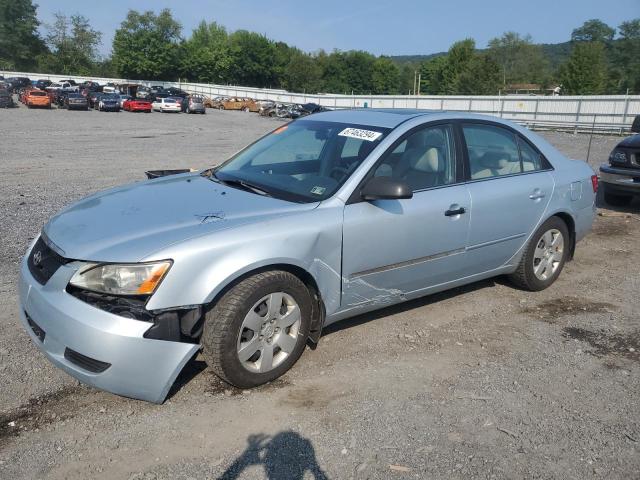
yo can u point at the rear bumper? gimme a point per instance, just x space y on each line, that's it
620 180
137 367
138 108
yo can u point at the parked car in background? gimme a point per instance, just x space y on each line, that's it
244 104
166 105
124 98
59 97
37 98
75 101
195 104
90 85
24 92
18 82
310 108
215 102
620 178
94 98
6 98
109 102
42 84
64 87
137 105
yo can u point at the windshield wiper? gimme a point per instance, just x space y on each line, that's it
246 186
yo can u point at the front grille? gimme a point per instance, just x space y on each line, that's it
86 363
39 332
44 262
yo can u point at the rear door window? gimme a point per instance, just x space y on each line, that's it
492 150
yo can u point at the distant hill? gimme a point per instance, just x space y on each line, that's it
557 53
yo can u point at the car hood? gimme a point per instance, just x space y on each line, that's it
129 223
631 141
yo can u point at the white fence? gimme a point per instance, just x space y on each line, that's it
601 113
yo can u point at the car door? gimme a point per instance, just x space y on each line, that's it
510 186
395 248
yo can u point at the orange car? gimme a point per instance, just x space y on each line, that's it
244 104
38 98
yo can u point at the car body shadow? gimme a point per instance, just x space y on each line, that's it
410 305
285 455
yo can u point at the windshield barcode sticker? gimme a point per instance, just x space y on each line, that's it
368 135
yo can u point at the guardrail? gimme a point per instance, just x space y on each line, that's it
604 114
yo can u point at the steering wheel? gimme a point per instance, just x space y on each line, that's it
341 171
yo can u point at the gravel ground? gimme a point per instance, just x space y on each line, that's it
485 381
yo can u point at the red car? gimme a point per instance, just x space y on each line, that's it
137 105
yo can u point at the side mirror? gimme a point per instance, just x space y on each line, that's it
635 127
385 188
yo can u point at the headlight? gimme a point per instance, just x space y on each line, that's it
618 157
131 279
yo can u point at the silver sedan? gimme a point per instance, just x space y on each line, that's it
324 218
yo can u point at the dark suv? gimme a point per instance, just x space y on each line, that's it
620 178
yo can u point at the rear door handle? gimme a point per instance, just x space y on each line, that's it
537 194
454 211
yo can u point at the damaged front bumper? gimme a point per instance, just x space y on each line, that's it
98 348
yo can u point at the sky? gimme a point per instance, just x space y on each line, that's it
389 27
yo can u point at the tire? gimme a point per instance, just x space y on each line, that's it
617 200
529 275
226 329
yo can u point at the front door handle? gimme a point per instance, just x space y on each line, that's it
452 212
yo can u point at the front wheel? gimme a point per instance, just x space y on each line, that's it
544 257
258 329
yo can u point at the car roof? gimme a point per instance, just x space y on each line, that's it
392 117
378 117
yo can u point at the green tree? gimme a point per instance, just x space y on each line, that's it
519 60
585 73
303 73
252 57
459 58
73 46
334 72
147 46
385 76
19 39
593 31
433 81
626 57
480 77
205 55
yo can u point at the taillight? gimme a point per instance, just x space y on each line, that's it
594 183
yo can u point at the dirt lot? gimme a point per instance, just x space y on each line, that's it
482 382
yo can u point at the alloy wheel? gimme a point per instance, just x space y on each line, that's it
269 332
548 254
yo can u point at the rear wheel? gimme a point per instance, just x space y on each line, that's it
544 257
258 329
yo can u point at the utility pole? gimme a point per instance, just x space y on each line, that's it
419 82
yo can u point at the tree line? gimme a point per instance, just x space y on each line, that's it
599 60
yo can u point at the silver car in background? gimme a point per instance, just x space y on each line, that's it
195 104
324 218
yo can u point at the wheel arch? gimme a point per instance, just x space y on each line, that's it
569 221
318 312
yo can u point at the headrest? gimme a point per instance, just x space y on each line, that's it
429 162
495 159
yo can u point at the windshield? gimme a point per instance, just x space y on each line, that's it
304 161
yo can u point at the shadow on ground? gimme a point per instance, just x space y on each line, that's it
285 455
